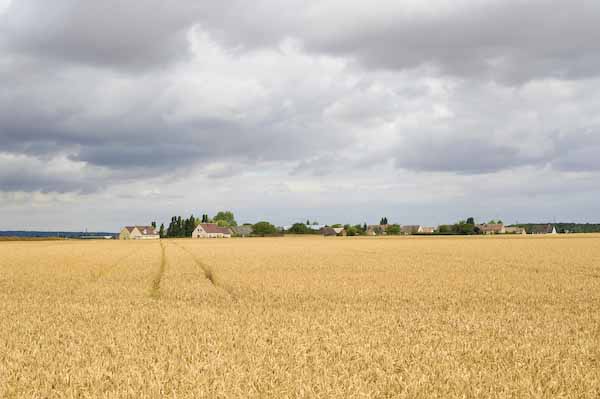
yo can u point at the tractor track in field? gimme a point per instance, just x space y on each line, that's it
209 274
155 287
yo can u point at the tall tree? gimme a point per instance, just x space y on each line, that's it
470 220
225 219
189 226
172 229
179 227
393 229
161 232
264 228
299 228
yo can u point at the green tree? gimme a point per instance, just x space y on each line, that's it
470 220
189 226
465 228
161 232
153 224
393 229
352 231
444 229
264 228
225 219
299 228
172 229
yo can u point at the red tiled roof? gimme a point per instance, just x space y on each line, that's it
212 228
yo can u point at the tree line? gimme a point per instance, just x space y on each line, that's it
180 227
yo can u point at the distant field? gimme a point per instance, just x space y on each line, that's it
408 317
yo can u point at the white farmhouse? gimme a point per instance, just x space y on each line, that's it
138 233
211 230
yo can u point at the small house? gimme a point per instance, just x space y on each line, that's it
492 228
340 231
543 229
515 230
411 229
138 233
376 230
328 231
211 230
241 231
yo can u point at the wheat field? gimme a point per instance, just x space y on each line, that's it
302 317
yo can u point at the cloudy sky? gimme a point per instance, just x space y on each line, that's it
115 112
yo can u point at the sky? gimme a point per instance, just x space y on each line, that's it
116 113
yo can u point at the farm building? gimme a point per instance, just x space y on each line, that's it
411 229
333 231
376 230
492 228
211 230
515 230
544 229
328 231
241 231
427 230
138 233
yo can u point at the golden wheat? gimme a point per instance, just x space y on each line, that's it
498 317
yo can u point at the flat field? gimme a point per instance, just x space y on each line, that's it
409 317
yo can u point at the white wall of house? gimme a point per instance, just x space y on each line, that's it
136 234
124 234
199 232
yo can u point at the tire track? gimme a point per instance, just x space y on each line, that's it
209 274
155 288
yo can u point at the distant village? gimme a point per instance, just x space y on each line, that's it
223 225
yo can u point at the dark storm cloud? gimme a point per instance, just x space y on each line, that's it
114 33
27 174
104 84
508 41
459 155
